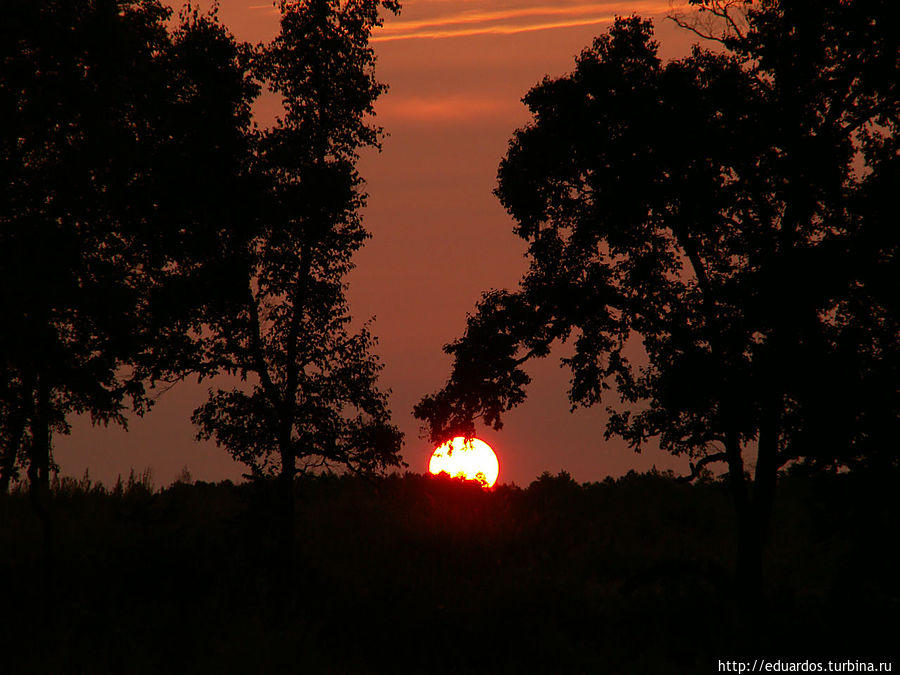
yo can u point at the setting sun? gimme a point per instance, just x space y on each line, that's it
472 459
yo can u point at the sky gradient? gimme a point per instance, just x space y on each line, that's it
457 71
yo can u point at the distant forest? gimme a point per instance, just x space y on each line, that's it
409 573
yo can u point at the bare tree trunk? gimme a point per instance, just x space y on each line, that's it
754 515
39 465
748 561
286 514
764 489
10 452
751 546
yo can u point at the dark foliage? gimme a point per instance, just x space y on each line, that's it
121 156
423 574
309 396
148 230
729 213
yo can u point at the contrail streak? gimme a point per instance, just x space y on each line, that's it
460 25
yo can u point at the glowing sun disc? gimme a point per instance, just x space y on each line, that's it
472 459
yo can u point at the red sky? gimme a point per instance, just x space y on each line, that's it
457 70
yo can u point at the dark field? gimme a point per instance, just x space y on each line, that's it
415 574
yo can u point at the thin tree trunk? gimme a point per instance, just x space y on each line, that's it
286 515
11 450
751 523
39 466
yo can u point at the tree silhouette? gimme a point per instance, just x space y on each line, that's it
730 211
312 399
118 141
13 428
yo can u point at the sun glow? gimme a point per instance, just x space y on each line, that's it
472 459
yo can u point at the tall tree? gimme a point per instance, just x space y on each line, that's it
312 398
118 140
731 210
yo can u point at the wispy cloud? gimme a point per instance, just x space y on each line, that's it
480 16
266 9
511 20
492 30
445 108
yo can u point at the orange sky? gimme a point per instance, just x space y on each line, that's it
457 70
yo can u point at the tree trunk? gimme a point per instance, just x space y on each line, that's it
286 515
754 515
39 466
749 568
748 564
11 450
763 496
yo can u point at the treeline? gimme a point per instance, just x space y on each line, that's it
412 573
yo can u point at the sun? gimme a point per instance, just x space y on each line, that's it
472 459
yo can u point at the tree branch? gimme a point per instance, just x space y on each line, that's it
256 351
716 9
699 466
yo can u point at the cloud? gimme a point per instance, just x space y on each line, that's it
267 9
445 108
511 20
491 30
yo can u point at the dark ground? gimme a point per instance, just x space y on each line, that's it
416 574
